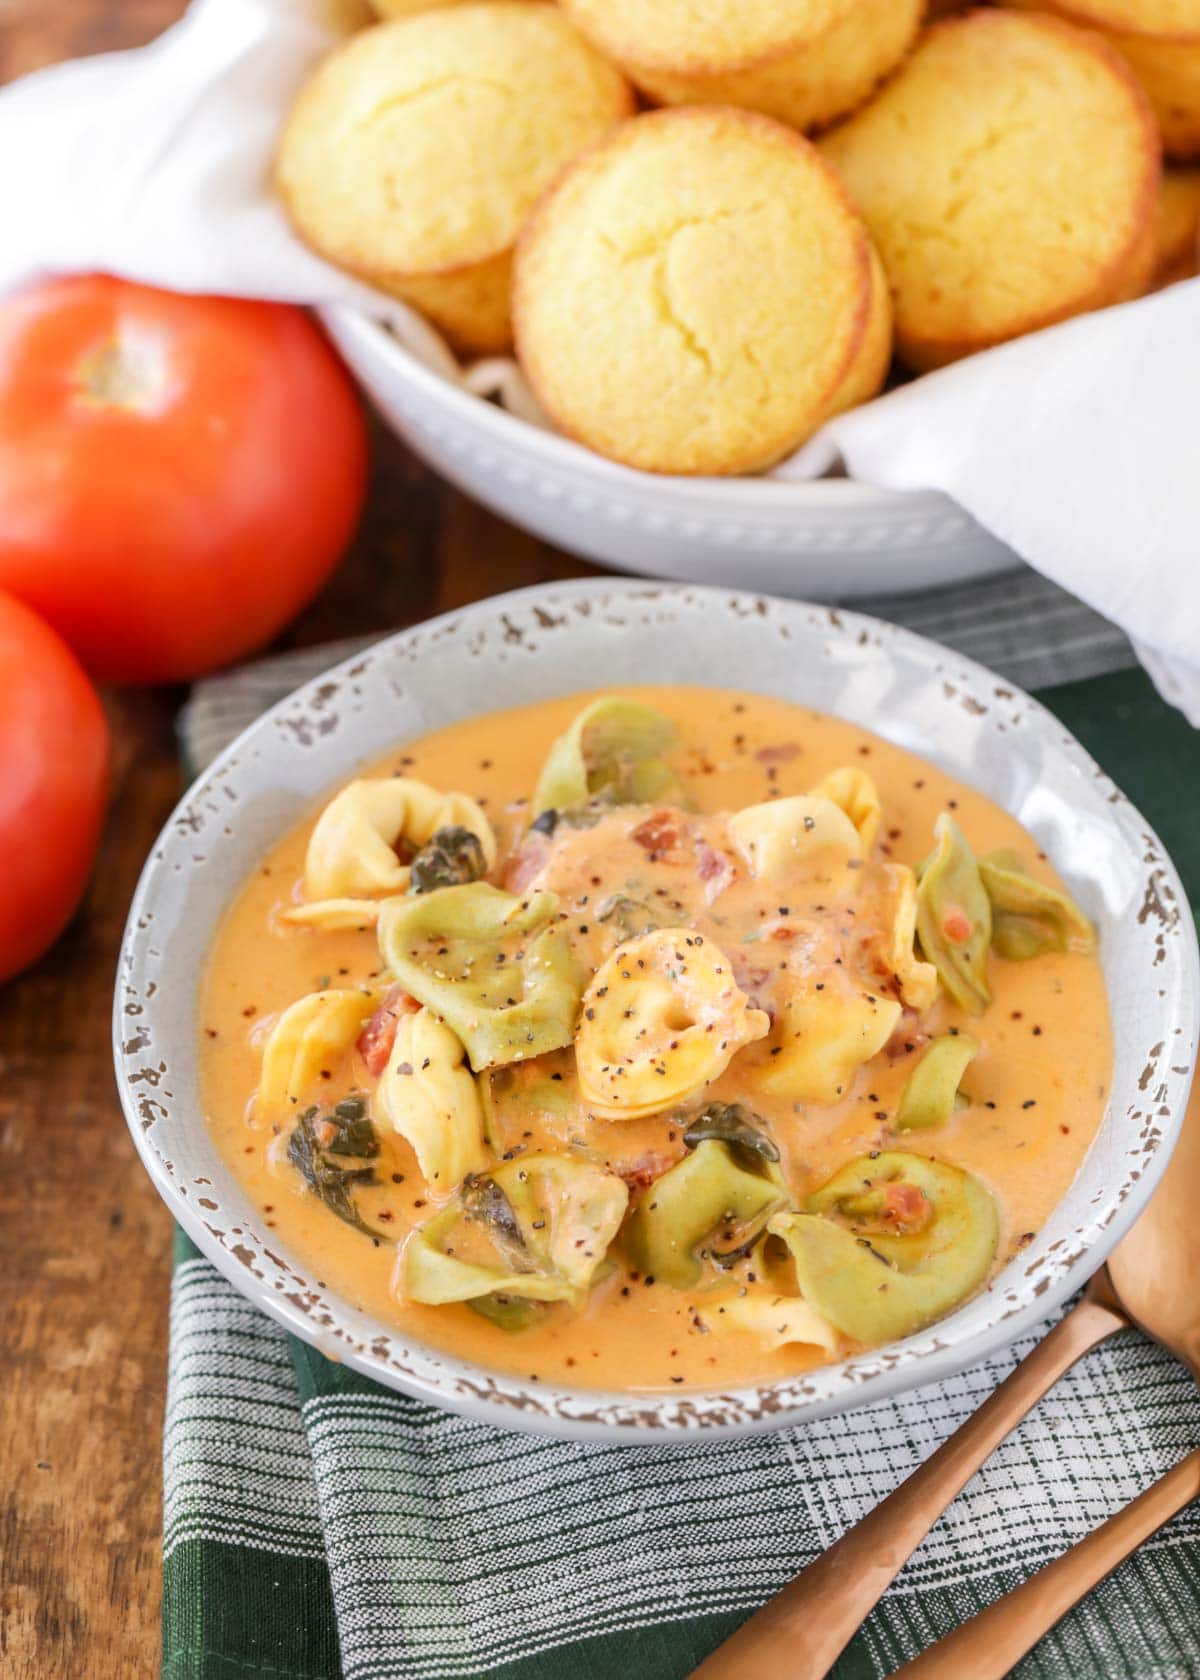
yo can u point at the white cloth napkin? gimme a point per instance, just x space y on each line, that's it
1079 446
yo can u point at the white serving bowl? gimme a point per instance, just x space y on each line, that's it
542 642
828 539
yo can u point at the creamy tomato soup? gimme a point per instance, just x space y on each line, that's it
668 1036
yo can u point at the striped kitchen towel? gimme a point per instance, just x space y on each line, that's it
317 1525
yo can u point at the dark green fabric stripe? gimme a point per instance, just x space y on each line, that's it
231 1610
1149 749
237 1610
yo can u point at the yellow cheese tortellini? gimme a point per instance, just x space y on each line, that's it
662 1017
891 1243
491 964
536 1228
918 981
309 1038
355 851
854 792
827 1029
336 915
825 834
430 1098
612 752
774 1320
807 835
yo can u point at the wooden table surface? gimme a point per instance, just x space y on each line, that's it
84 1240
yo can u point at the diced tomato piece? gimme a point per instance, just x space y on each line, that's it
653 1164
527 861
784 753
710 863
909 1035
956 924
749 975
379 1031
716 869
905 1205
659 833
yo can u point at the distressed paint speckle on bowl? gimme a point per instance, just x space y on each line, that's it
543 642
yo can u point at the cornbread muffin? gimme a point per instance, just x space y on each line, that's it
1178 226
693 293
806 62
407 8
1161 40
1009 176
415 151
868 369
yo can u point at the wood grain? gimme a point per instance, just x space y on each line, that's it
84 1240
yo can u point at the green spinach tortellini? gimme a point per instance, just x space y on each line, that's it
1029 917
891 1243
709 1188
954 917
536 1228
613 752
932 1095
492 965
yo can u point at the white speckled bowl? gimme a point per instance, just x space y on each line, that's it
543 642
825 538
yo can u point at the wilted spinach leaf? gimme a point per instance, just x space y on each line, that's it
587 816
510 1312
451 859
726 1258
729 1123
630 915
483 1199
313 1143
347 1130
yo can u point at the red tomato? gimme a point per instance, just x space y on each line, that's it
178 475
378 1036
53 780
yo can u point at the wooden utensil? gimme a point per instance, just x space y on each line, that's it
798 1634
1153 1272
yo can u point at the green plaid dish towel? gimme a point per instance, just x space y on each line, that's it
317 1525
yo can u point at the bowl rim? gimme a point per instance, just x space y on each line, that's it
690 1414
840 495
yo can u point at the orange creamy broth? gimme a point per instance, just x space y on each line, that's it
1037 1086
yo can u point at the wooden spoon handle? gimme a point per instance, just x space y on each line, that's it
989 1644
798 1634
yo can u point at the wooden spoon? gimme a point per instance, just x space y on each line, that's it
798 1634
1153 1272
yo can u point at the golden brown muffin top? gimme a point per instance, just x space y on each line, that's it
1137 17
420 145
1006 173
704 36
692 292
